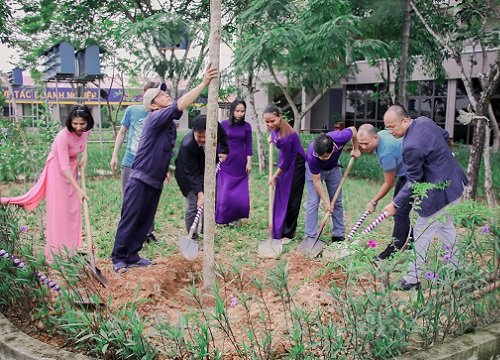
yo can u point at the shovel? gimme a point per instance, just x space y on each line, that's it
188 246
312 247
342 251
94 270
270 248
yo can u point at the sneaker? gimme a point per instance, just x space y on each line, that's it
151 239
142 263
338 238
402 285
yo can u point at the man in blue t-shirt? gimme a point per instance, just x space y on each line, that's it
132 122
149 170
323 165
389 154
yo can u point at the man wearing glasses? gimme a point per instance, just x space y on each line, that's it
428 159
323 165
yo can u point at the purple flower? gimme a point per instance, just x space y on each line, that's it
447 247
430 275
371 243
447 258
486 229
234 301
23 228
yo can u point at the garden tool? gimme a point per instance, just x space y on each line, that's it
95 271
188 246
42 278
342 250
358 224
313 246
270 248
83 299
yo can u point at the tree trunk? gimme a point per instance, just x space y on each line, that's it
476 152
488 178
261 149
211 147
404 54
496 131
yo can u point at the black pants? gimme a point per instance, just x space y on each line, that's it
295 198
401 217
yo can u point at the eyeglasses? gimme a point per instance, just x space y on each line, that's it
392 127
323 157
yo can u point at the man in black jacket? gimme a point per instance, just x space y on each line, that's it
190 165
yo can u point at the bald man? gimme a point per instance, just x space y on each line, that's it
388 151
428 159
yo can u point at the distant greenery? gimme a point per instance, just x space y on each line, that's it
14 162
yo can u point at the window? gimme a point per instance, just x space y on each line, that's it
428 99
365 103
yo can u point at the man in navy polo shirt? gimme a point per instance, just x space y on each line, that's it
323 165
149 170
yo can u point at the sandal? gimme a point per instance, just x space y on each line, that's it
142 263
120 268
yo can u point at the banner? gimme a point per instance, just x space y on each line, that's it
28 95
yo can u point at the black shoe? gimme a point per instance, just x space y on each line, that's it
338 238
390 249
151 239
402 285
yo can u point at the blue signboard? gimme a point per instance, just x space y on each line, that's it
67 96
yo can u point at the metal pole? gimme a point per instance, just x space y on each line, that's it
99 112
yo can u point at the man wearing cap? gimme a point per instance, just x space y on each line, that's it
149 170
428 159
388 151
133 123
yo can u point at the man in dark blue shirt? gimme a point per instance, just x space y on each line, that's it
150 168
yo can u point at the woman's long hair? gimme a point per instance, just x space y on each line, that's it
79 110
233 108
285 128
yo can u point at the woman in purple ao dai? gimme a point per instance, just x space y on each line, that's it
289 179
233 199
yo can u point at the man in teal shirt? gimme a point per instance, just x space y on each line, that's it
133 122
389 154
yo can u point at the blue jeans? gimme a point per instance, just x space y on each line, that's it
332 180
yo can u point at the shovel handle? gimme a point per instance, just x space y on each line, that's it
271 192
43 279
195 222
375 223
358 224
339 188
87 221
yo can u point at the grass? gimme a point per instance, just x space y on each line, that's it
376 323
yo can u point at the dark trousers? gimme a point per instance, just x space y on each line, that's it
401 217
293 209
140 202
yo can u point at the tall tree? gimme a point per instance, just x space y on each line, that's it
211 147
302 45
472 24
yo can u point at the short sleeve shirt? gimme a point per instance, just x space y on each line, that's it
133 119
390 153
340 138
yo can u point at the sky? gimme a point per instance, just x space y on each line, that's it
6 54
